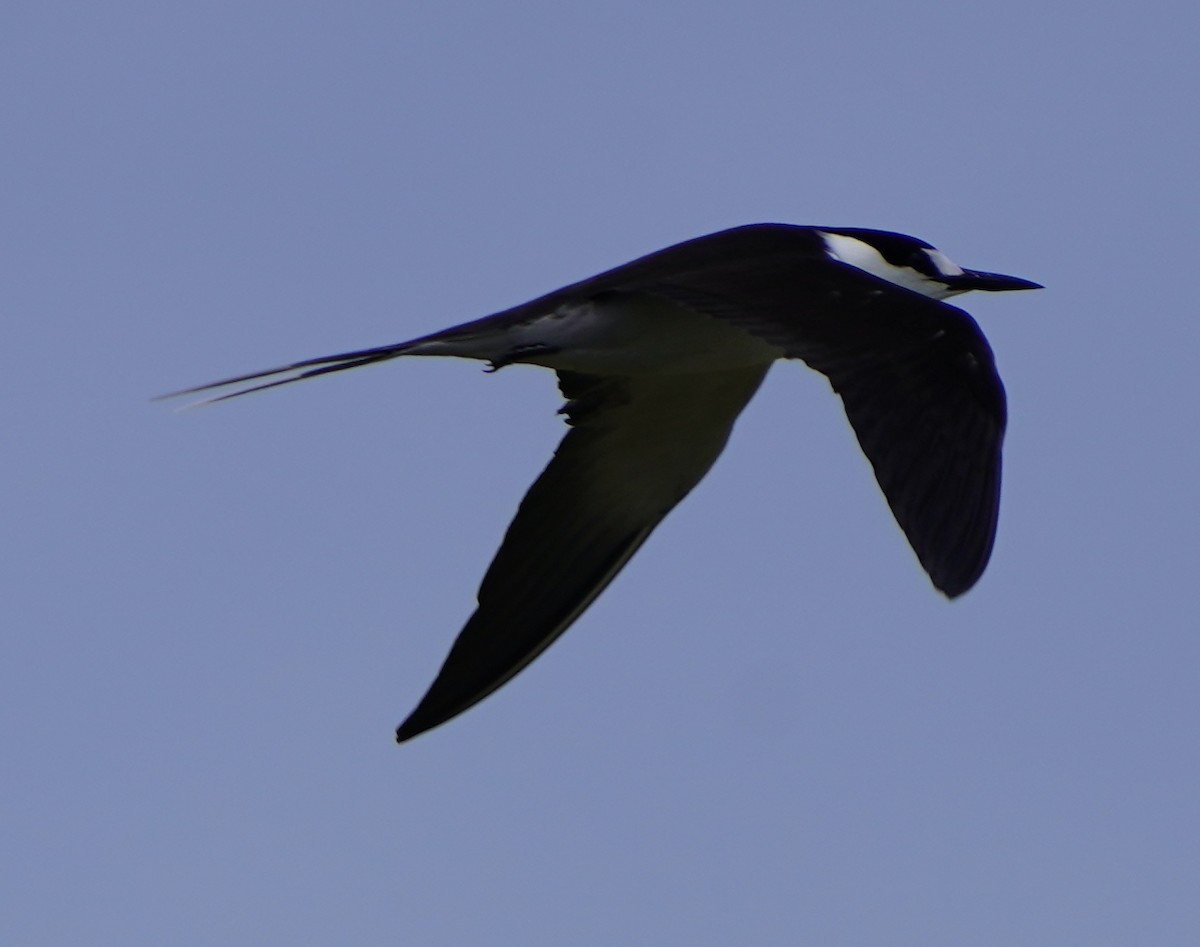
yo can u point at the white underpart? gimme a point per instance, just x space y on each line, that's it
865 257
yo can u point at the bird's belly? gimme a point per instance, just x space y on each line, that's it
634 336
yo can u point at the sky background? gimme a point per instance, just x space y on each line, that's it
771 729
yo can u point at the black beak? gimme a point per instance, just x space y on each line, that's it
991 282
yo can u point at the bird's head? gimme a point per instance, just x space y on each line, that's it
912 263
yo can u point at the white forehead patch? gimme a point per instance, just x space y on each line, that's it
943 264
863 256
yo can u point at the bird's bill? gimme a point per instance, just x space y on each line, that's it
992 282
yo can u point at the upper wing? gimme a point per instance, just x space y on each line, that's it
636 448
916 376
930 418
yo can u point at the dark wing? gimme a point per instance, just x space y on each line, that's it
916 376
930 417
636 448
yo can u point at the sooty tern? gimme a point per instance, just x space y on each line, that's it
657 358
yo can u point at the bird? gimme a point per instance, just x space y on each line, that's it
656 359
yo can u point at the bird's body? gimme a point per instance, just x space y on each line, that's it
658 357
622 335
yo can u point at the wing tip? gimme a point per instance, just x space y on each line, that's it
421 721
407 730
953 581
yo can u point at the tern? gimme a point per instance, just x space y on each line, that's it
657 358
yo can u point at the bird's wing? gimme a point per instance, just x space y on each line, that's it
916 376
636 447
930 419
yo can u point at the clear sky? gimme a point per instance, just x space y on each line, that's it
771 729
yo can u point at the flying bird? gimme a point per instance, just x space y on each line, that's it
658 357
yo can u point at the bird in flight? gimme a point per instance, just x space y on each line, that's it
658 357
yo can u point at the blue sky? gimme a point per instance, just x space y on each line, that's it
770 729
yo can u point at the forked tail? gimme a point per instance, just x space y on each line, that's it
297 371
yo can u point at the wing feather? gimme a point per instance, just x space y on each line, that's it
637 446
